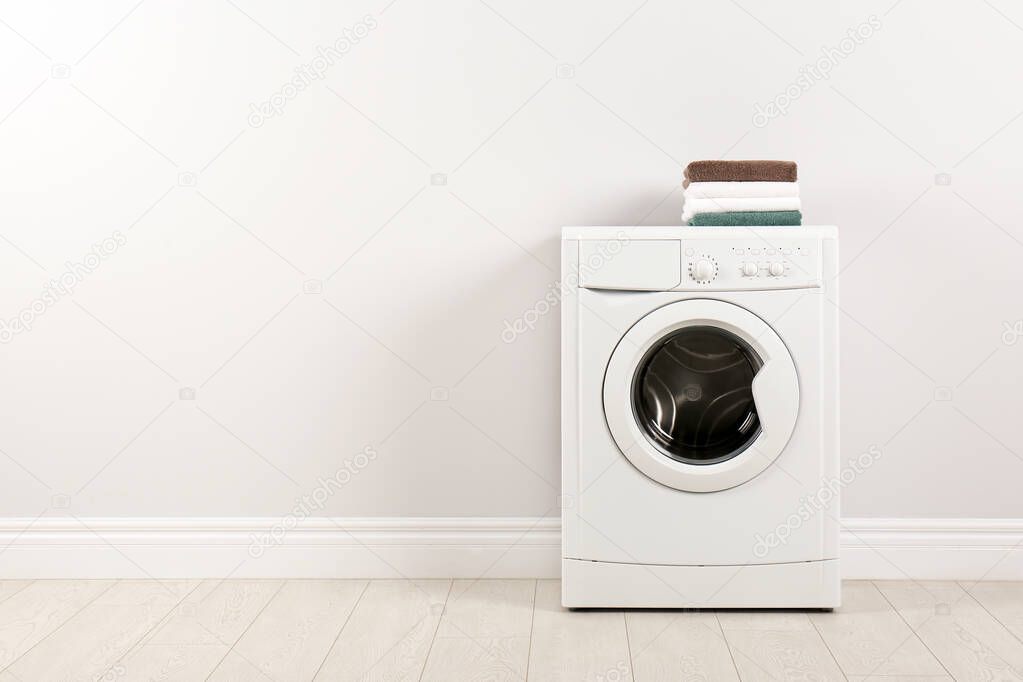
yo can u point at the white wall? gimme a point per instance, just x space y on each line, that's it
109 113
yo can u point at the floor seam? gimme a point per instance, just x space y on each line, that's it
728 647
911 628
912 635
156 626
342 629
827 648
996 619
429 650
532 619
59 627
19 590
246 630
628 644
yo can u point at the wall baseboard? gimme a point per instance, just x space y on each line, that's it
932 549
247 547
431 547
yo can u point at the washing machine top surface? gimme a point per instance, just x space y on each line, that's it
680 231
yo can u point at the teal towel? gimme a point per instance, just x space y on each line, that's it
747 218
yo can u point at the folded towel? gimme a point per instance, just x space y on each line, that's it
740 171
718 190
728 204
747 218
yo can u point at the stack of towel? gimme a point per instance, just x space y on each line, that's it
741 193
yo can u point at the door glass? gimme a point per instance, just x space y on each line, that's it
692 395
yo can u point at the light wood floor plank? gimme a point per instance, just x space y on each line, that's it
291 637
488 608
484 633
30 615
671 645
234 668
868 638
576 645
776 644
900 678
168 662
465 658
969 642
9 588
388 634
1003 600
97 637
218 612
197 635
776 620
781 655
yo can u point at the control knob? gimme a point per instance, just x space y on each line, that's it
777 269
749 269
703 270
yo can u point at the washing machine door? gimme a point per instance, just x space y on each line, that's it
701 395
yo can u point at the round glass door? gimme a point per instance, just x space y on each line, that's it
701 395
693 395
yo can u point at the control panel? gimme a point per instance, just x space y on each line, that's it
701 259
749 264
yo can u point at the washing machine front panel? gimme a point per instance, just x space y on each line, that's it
617 517
701 395
616 513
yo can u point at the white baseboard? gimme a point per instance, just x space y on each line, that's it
242 547
428 547
932 549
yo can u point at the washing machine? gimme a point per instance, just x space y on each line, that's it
700 460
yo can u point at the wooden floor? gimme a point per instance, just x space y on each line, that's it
491 630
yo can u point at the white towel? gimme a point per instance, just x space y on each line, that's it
718 190
729 204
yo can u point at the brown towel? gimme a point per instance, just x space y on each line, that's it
740 171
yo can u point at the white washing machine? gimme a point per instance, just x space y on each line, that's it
700 417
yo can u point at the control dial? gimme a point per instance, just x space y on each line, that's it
704 270
750 269
777 269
